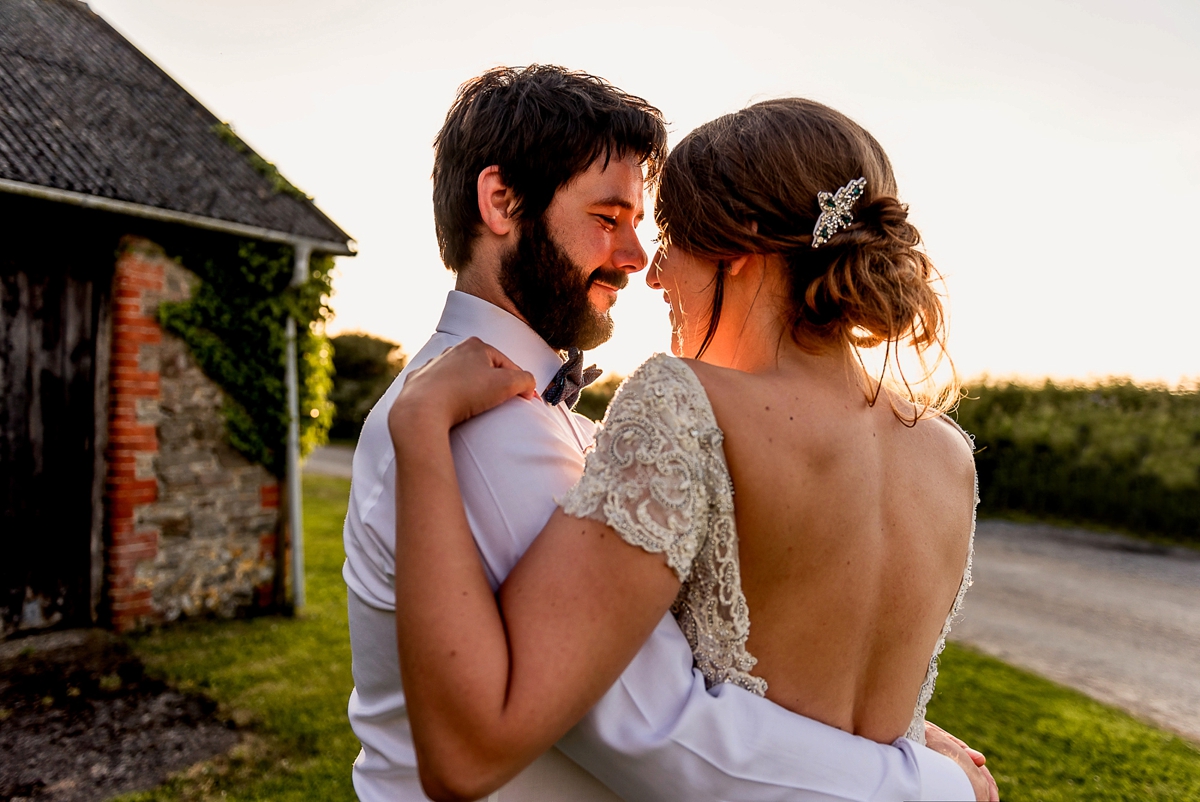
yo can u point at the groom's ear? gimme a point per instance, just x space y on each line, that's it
497 202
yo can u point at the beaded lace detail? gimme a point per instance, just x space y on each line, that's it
657 475
916 730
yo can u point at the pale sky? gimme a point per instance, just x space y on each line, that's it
1049 150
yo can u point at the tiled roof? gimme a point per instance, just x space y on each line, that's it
82 110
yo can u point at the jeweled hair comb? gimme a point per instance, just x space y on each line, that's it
835 210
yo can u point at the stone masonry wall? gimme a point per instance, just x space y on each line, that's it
192 522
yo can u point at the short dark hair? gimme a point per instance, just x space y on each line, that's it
542 125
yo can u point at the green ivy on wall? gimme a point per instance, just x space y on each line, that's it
235 325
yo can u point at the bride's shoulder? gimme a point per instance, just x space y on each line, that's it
711 375
657 363
656 372
691 371
688 382
943 449
956 447
662 381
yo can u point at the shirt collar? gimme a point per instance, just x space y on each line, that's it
466 315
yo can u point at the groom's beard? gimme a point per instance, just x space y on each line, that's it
551 292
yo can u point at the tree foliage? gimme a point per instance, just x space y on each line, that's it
364 367
593 400
235 325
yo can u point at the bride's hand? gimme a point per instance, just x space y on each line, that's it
464 381
971 761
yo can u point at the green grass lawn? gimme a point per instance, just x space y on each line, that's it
287 680
1047 742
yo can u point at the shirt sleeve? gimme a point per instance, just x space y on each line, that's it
511 463
659 736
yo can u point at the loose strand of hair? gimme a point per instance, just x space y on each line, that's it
909 395
714 315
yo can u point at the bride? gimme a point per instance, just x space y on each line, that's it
766 479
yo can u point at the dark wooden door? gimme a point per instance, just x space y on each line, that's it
54 296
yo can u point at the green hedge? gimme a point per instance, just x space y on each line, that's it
1113 453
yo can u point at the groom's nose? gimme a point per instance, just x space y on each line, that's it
629 254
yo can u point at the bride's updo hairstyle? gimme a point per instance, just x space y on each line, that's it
747 183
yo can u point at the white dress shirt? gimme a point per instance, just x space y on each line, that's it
657 735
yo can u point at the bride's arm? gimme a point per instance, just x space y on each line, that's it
492 683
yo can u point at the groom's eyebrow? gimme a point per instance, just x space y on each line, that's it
623 203
615 200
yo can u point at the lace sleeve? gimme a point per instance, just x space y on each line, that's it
647 476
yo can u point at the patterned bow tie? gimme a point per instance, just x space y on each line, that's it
571 378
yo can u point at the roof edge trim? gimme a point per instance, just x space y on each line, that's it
168 216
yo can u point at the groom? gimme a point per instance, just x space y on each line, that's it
538 184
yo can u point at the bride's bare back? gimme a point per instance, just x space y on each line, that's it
853 530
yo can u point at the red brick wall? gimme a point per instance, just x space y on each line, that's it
135 480
131 439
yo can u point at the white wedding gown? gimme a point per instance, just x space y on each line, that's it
658 477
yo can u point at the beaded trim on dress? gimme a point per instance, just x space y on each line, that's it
916 730
657 475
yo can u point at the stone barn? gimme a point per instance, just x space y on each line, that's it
122 500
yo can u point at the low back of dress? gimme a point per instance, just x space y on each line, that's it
854 534
848 546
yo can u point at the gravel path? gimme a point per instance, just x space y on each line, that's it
330 461
1114 617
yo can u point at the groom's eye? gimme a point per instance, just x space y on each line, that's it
611 222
